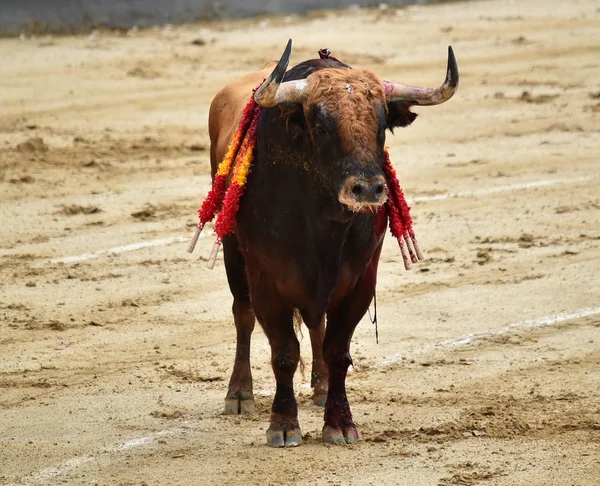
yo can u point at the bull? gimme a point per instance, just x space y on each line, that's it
311 224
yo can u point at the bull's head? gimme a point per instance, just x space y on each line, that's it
346 113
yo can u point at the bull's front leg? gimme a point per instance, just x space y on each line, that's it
339 427
277 321
284 430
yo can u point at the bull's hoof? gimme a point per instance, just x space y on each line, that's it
340 435
284 437
238 406
319 399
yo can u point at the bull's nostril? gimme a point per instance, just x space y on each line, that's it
357 189
365 191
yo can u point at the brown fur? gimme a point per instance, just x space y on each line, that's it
227 108
356 112
269 287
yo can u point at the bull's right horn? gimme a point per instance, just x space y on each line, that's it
426 96
273 91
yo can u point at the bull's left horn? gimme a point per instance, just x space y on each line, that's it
273 91
426 96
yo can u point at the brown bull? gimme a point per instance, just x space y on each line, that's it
311 223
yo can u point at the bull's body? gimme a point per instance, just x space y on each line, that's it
296 247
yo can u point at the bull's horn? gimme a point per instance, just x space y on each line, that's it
426 96
273 91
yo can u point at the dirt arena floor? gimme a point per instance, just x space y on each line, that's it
116 345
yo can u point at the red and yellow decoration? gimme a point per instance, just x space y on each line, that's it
226 200
398 212
225 224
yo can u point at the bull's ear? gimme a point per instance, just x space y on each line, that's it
399 114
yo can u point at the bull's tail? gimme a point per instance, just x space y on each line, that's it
298 328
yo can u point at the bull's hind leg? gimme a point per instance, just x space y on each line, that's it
240 397
339 427
318 377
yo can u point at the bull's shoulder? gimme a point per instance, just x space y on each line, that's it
235 95
228 104
227 108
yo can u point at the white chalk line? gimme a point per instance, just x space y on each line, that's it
435 197
532 323
473 338
494 190
125 248
48 473
118 249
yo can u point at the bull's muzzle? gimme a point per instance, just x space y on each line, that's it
361 194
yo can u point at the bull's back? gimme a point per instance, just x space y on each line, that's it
226 111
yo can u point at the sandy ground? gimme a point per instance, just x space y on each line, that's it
116 345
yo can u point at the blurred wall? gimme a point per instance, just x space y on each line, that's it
39 16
